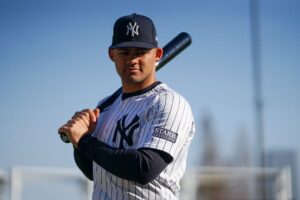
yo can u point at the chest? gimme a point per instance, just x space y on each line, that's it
121 125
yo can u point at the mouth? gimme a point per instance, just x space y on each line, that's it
131 69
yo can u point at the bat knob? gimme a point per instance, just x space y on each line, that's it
64 138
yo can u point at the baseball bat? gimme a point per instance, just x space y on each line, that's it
170 50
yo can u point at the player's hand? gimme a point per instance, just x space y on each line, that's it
82 123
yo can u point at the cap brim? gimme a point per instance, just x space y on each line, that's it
133 45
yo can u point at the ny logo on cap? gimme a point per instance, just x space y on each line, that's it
133 28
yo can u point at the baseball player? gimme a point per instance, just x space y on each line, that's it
136 148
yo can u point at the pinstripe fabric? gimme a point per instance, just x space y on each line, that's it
159 119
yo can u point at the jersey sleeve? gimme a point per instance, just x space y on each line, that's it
168 124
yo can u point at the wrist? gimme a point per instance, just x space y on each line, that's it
83 140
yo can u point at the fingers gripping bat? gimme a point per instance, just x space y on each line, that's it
170 50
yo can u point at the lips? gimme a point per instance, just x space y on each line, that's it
131 69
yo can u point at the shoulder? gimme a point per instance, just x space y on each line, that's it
165 99
109 100
166 94
102 100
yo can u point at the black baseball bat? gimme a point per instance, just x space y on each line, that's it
170 50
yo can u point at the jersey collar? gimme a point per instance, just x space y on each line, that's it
139 92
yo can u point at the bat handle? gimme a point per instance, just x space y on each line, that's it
64 137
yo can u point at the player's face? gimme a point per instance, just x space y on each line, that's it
135 66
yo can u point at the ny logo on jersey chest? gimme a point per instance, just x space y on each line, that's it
126 132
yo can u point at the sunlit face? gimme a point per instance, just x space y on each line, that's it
135 66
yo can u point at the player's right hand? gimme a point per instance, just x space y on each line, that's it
82 123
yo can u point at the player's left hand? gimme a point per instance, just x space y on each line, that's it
82 123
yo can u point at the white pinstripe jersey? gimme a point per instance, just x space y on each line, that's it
158 118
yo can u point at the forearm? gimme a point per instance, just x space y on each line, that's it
84 164
139 165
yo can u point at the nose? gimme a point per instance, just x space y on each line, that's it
132 58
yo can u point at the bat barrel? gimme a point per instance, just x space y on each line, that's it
174 47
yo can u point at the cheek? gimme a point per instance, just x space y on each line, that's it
118 67
149 61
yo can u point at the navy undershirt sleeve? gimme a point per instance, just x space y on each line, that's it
140 165
84 164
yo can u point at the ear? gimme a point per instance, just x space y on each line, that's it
111 54
159 54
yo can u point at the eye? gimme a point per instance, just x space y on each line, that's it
123 53
141 52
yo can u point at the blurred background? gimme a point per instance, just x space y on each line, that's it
240 75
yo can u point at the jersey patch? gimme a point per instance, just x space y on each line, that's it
165 134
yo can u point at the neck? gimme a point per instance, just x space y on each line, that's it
133 87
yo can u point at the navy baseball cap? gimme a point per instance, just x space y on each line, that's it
134 31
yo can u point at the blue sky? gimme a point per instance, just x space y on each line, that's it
53 62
